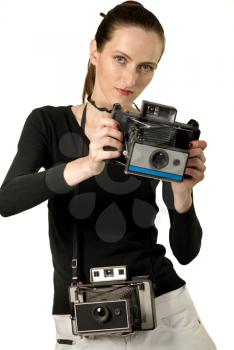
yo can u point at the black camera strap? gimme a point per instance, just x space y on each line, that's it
76 273
75 256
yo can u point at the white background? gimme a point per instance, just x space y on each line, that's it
44 54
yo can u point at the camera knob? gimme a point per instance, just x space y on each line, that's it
125 153
194 123
117 312
117 106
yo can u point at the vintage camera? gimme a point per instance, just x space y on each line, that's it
111 304
155 145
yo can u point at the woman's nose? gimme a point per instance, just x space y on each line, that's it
130 77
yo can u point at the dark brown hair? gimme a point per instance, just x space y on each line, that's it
128 13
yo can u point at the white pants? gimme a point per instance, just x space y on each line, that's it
178 328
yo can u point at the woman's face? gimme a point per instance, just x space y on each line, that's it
125 66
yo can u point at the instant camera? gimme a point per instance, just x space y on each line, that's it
111 304
155 144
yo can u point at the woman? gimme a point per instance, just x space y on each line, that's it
112 213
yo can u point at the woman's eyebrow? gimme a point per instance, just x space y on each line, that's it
124 54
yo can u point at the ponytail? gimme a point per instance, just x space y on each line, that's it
89 81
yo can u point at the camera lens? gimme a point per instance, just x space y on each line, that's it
108 272
176 162
159 159
101 313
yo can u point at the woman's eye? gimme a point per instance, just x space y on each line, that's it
119 59
145 68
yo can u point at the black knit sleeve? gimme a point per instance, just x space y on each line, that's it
24 185
185 230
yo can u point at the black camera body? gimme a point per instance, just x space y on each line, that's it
155 144
115 306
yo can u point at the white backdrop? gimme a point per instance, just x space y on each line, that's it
44 53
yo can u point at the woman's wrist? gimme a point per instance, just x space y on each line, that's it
77 171
183 201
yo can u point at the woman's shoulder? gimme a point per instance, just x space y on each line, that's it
51 119
54 113
50 110
76 110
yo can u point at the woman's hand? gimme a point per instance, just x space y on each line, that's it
194 172
104 135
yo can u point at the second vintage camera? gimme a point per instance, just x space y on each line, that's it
111 304
156 145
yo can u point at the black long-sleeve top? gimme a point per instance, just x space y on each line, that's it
114 213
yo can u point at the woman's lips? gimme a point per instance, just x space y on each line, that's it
124 92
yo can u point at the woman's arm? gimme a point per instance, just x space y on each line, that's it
24 186
185 231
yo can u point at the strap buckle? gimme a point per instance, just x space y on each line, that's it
74 263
